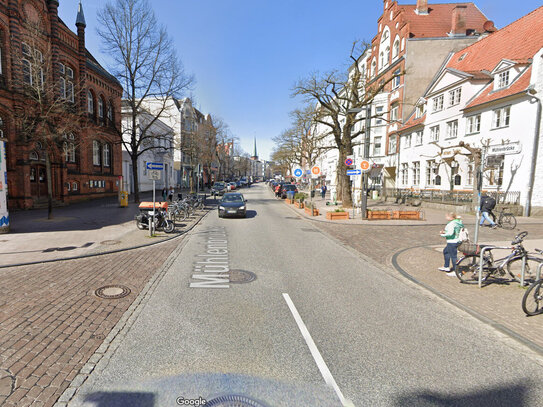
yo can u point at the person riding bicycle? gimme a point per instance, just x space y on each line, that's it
487 204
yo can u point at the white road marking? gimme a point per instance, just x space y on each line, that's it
321 364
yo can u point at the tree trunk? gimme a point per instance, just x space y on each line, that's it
49 185
135 178
344 187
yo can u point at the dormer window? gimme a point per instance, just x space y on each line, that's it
419 111
503 79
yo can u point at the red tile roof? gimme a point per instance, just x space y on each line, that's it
518 42
438 22
412 122
488 94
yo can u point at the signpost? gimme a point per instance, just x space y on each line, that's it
154 172
348 162
504 149
365 165
353 173
298 172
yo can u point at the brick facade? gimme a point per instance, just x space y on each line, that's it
79 174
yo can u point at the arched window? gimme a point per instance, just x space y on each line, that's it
101 107
387 55
34 156
96 153
110 112
373 66
396 48
69 152
107 155
90 102
457 179
381 60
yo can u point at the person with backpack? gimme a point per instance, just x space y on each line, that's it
452 234
487 204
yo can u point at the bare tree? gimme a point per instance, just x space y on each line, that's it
45 116
225 145
146 64
339 97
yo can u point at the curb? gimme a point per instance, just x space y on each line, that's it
83 256
118 332
488 321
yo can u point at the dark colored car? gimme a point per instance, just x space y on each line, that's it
286 188
218 188
232 204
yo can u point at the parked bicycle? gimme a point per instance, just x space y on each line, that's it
532 302
505 220
178 211
467 268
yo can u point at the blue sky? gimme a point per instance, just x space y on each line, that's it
247 54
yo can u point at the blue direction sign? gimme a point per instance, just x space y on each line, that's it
155 166
298 172
354 172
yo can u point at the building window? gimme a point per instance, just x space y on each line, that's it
452 129
66 84
90 103
373 67
27 72
69 152
107 155
387 55
501 117
405 174
495 174
396 49
96 152
473 124
457 179
503 79
396 79
431 172
437 103
377 146
379 114
74 186
434 133
407 141
418 137
101 108
454 96
419 111
392 145
394 112
381 60
110 112
416 173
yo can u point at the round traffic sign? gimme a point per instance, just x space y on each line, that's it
298 172
365 165
348 162
315 170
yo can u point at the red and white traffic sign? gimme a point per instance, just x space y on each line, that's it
365 165
315 170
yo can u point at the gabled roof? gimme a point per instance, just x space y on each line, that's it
517 42
438 22
488 94
412 121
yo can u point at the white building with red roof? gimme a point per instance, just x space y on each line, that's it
486 94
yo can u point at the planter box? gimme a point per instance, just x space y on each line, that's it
407 215
337 215
375 215
315 212
299 205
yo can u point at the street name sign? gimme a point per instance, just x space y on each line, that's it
298 172
154 174
504 149
155 166
352 173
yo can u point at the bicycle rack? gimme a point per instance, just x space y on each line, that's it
481 257
539 268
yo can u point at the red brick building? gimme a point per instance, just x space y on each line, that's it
88 164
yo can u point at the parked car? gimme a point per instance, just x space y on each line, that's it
287 187
218 188
232 186
232 204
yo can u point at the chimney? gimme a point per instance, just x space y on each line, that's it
459 20
422 7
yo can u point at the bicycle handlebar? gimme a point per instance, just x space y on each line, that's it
519 238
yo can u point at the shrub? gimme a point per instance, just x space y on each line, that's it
300 196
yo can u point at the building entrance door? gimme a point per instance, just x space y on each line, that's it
38 181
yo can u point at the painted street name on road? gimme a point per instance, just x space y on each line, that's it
211 270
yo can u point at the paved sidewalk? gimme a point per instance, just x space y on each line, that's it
83 228
417 252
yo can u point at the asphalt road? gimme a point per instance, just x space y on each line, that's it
318 327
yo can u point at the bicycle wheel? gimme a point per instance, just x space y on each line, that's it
508 221
514 267
467 269
532 302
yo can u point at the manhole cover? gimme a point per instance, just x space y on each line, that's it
241 276
233 401
110 242
112 292
7 383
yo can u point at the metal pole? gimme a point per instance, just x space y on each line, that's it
479 188
152 225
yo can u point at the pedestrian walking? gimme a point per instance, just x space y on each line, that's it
487 204
170 194
452 234
164 193
323 191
